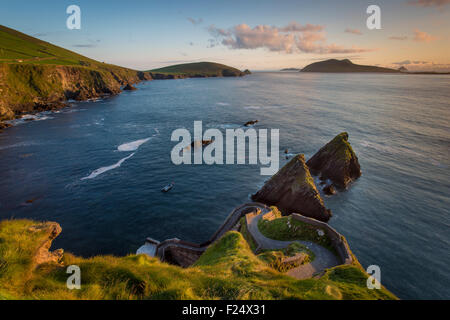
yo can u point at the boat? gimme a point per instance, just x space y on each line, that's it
167 188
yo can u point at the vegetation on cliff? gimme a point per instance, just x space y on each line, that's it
197 70
336 161
36 75
227 270
292 189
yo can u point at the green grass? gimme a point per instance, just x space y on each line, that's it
15 46
246 234
278 229
340 147
274 258
227 270
206 69
35 73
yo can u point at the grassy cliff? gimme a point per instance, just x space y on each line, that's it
36 75
227 270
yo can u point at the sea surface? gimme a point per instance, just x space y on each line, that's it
98 167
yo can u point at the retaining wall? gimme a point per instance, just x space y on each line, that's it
185 253
337 240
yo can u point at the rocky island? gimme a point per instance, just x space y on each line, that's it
292 189
337 162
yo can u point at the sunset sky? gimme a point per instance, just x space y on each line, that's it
258 35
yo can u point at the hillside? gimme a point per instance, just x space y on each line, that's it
197 70
227 270
345 65
36 75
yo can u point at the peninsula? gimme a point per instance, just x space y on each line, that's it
37 76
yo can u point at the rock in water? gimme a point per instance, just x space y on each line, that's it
329 190
292 189
336 161
250 123
129 87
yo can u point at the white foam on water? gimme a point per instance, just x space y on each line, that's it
30 117
20 144
101 170
133 145
222 104
252 107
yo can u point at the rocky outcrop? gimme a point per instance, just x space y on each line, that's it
329 190
336 161
43 255
292 189
250 123
202 143
129 87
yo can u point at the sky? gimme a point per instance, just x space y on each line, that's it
258 35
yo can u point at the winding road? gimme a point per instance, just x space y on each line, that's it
324 258
253 212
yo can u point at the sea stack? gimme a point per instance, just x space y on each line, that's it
336 161
292 190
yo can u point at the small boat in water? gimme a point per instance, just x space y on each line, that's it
167 188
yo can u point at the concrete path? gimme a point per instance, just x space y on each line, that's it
324 258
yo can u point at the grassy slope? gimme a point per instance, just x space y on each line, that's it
288 229
207 69
227 270
34 72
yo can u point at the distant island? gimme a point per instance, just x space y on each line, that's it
334 65
338 66
197 70
290 69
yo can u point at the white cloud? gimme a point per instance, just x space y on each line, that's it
289 39
422 36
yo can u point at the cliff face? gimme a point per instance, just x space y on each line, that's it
28 88
292 189
336 161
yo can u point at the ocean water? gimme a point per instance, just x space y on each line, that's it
98 167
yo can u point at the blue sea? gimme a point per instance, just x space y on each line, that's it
98 167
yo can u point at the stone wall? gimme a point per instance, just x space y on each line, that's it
185 253
337 240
